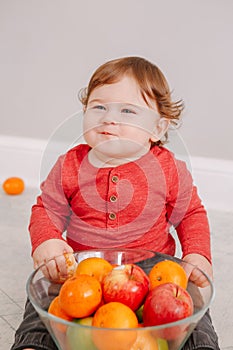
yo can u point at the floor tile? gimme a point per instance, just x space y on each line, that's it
14 319
6 335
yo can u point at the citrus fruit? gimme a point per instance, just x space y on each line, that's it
94 266
70 267
70 263
144 341
56 310
167 271
80 296
13 185
81 337
114 315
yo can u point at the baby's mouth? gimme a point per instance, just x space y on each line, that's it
107 133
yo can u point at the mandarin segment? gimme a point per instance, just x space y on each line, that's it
71 265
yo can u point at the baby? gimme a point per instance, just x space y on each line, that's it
121 189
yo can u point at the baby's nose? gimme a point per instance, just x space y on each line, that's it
110 117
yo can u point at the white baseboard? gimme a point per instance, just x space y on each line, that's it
213 177
21 157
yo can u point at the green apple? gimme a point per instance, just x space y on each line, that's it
80 337
139 312
162 344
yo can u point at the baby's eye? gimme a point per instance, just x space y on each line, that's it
128 111
100 107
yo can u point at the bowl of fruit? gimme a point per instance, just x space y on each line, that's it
127 299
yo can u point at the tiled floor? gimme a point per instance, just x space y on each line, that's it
16 265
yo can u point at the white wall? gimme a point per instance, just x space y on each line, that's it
49 49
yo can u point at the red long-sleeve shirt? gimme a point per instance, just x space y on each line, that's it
132 205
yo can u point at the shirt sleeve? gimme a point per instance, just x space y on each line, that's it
50 214
187 213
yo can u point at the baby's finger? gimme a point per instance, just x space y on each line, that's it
42 266
199 278
52 270
45 271
61 266
188 268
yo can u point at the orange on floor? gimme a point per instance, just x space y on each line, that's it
13 185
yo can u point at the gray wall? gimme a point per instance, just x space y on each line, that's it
49 49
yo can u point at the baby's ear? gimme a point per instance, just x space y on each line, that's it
160 129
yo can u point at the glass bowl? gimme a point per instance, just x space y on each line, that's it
75 336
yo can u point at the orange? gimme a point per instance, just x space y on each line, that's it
13 185
144 341
114 315
56 310
167 271
80 296
94 266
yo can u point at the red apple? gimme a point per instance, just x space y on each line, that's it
127 284
167 303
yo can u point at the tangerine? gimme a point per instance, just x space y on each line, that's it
56 310
94 266
144 341
167 271
114 315
13 185
80 296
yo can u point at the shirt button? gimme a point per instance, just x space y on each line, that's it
113 198
115 178
112 216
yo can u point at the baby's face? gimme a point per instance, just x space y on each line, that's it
118 124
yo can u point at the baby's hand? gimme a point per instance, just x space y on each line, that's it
56 254
194 274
